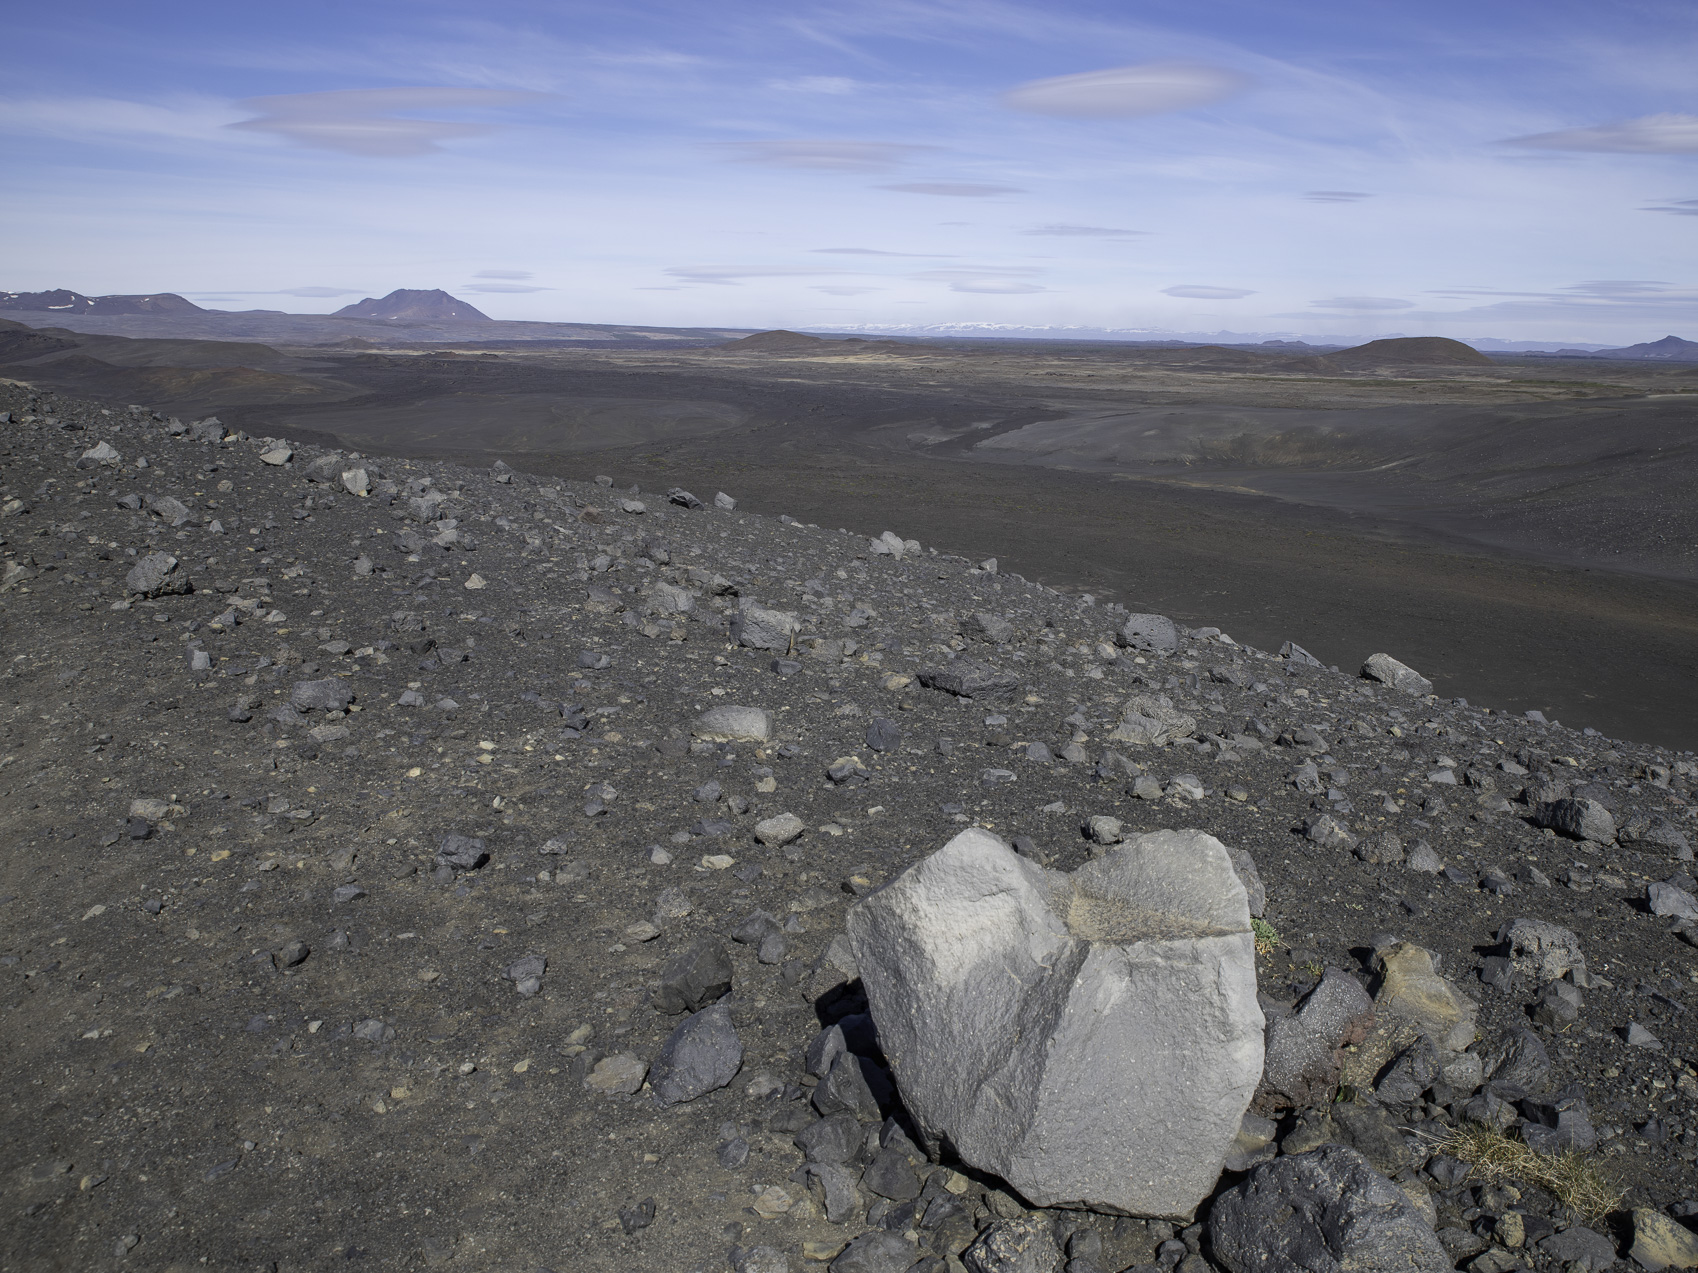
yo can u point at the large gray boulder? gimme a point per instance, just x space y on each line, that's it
1577 819
1092 1038
1326 1211
969 678
762 629
1155 632
1400 676
1151 720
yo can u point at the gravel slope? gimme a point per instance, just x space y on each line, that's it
252 1018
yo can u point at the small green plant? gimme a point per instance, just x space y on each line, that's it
1267 936
1574 1179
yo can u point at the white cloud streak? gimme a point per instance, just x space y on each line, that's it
953 189
1666 134
1197 292
833 156
1362 304
1085 232
364 122
1127 92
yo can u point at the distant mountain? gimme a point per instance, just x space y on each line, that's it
1410 351
1668 349
410 303
65 301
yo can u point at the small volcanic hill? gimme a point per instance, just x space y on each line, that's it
1410 351
779 342
411 303
1668 349
76 302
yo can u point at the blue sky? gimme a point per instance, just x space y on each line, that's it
1515 169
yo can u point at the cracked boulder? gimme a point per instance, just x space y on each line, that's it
1092 1038
1151 720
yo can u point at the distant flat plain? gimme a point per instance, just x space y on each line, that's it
1525 533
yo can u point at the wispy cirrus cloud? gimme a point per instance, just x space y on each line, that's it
1126 92
1675 207
829 85
1664 134
1198 292
732 275
86 118
1009 281
1336 196
367 122
1362 304
1085 232
954 189
874 252
833 156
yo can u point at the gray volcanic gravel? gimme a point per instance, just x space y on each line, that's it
372 884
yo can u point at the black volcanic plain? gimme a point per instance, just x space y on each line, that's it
1520 527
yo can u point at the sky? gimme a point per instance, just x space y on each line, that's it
1524 169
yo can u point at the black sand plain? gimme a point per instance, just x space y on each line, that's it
1523 528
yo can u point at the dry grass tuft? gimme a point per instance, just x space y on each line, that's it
1574 1179
1267 936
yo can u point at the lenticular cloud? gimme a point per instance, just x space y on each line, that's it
364 121
1123 92
1667 134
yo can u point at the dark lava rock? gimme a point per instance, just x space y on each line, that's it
702 1055
1321 1212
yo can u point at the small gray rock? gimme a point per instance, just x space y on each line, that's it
884 734
878 1251
1024 1245
157 575
1588 1248
332 694
1383 849
890 1175
969 678
729 724
1558 1123
1667 899
834 1185
988 627
702 1055
1388 671
461 852
836 1138
695 978
1305 1051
